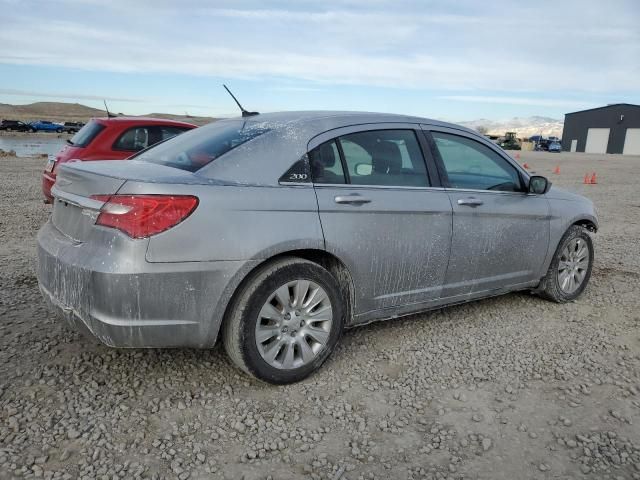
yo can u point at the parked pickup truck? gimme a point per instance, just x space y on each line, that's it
72 127
14 125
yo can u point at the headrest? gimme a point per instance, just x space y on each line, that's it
154 136
324 155
387 158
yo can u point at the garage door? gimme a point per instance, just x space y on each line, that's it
632 142
574 145
597 140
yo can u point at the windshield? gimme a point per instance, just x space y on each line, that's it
86 134
193 150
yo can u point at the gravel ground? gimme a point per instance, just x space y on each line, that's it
505 388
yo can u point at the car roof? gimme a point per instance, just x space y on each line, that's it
336 119
132 121
289 135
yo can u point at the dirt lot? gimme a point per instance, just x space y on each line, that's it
507 388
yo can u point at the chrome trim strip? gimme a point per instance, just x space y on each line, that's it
76 200
492 192
295 184
379 187
437 189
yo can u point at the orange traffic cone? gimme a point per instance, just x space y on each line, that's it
587 179
593 180
526 165
557 170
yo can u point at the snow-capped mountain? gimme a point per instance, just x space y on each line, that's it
523 126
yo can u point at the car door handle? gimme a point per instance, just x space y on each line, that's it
354 199
470 202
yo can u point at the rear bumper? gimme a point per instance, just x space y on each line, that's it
141 305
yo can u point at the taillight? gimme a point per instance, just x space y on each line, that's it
141 216
58 162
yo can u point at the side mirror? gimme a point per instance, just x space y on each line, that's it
539 185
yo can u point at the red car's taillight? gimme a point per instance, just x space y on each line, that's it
141 216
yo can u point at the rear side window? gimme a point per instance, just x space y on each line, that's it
201 146
135 139
376 157
139 138
326 166
167 132
86 134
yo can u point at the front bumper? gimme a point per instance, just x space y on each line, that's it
127 302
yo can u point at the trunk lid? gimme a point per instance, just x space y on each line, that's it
75 213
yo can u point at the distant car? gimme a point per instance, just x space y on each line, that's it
554 147
72 127
273 233
45 126
110 139
14 125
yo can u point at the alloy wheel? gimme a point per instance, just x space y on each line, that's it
573 265
294 324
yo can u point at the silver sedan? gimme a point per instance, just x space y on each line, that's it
278 231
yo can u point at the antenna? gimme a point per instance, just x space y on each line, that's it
244 112
107 109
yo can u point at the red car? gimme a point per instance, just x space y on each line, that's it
110 139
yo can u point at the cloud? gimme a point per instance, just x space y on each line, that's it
461 46
535 101
66 96
292 88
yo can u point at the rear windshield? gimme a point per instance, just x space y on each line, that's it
194 149
86 134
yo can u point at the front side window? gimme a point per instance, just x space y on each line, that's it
469 164
198 147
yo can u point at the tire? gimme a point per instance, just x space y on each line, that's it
550 287
59 130
32 130
245 316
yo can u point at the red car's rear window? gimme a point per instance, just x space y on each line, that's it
86 134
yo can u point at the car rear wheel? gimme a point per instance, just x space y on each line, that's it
285 321
570 269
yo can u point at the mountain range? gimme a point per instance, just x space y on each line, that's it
76 112
61 112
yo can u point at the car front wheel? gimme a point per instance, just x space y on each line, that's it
570 269
285 321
